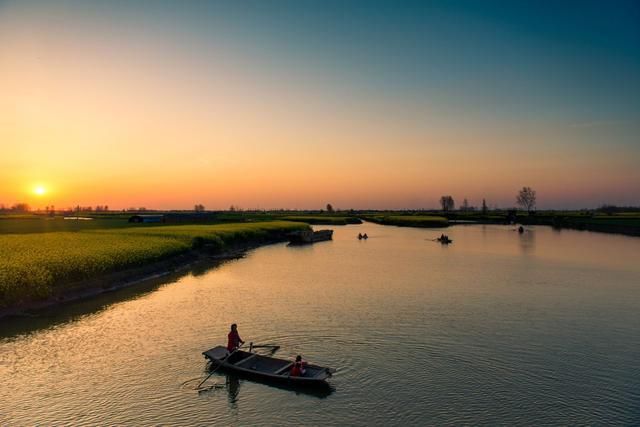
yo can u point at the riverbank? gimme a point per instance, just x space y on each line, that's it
629 226
626 223
45 269
421 221
323 219
612 225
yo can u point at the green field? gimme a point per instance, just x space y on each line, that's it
41 224
33 223
426 221
38 265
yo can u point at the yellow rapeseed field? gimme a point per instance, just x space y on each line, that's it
33 265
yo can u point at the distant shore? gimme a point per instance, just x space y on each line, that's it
627 228
627 224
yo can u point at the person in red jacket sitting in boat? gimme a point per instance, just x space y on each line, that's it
298 367
233 339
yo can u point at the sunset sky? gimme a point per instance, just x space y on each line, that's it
295 104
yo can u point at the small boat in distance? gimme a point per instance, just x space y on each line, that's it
266 368
309 236
444 239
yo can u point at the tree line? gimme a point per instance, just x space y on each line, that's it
526 199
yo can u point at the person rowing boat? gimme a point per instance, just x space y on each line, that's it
233 339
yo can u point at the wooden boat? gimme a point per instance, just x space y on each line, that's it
309 236
266 368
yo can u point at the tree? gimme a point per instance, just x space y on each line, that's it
329 208
484 207
465 205
447 203
198 208
21 208
526 198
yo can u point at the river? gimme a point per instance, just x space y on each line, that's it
498 327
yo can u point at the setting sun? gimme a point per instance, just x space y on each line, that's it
39 190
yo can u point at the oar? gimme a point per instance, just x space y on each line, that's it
219 365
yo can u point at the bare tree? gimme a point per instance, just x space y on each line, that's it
465 205
484 207
447 203
526 198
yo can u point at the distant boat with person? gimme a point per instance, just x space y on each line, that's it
444 239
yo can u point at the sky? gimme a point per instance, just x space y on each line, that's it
296 104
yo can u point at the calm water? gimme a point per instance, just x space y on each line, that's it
539 328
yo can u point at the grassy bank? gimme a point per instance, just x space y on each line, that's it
40 265
38 223
426 221
624 223
627 223
323 219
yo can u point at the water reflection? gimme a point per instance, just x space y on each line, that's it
71 311
233 389
234 382
527 240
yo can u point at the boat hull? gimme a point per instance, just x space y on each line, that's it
266 369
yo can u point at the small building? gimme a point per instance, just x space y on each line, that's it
146 218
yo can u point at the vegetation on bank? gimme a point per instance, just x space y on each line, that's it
426 221
611 219
39 223
624 223
39 265
323 219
